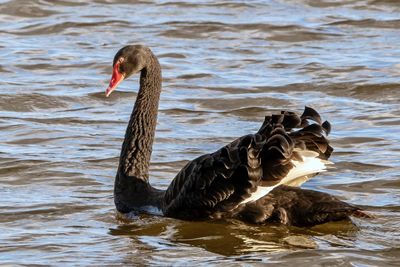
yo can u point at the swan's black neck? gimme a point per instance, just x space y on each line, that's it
132 189
137 147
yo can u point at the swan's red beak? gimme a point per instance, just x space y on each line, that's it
117 78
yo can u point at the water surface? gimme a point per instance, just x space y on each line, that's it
225 66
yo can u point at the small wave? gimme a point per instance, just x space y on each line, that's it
31 102
369 23
194 76
46 29
361 167
171 55
27 9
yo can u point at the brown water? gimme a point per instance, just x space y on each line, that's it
225 66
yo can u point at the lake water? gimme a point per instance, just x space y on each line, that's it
225 66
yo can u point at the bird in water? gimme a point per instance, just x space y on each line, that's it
256 178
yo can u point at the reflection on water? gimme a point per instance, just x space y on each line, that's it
225 65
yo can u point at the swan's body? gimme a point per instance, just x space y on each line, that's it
251 178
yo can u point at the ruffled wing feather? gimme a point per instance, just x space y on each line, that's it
251 166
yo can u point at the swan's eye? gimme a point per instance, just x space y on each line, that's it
121 68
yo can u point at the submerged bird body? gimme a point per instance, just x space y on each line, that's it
252 178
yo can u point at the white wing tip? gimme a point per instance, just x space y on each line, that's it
310 164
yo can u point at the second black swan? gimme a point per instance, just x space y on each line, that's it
255 178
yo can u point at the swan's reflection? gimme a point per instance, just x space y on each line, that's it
227 238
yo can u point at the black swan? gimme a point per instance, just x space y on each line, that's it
255 178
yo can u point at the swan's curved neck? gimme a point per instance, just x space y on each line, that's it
137 146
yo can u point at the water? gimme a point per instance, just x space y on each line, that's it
225 66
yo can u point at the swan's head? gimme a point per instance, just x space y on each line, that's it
129 60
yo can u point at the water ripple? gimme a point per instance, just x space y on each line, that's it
226 65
